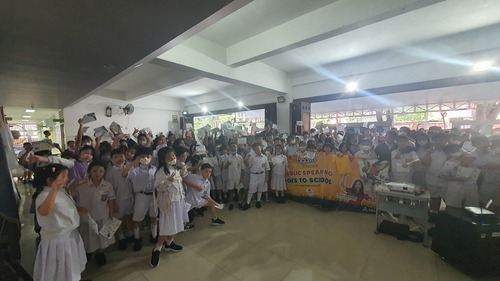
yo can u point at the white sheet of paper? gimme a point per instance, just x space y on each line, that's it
110 227
89 117
100 131
466 172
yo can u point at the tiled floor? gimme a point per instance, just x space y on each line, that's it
288 242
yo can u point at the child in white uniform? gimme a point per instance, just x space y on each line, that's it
366 150
402 160
141 174
280 167
61 254
434 159
485 160
233 165
124 197
258 167
171 202
95 200
460 191
198 192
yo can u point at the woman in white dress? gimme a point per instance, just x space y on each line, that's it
61 254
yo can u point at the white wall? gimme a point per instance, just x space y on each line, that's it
154 112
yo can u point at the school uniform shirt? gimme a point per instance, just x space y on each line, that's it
489 157
62 220
235 166
280 163
95 199
224 170
459 193
175 188
291 150
398 172
193 196
216 170
142 178
121 186
438 158
258 164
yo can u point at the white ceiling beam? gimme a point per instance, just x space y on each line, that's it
171 80
337 18
205 61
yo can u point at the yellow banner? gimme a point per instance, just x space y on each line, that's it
326 179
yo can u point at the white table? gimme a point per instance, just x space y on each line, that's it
418 208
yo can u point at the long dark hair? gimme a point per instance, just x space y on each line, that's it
162 154
43 174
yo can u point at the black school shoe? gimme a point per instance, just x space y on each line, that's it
137 245
154 261
245 207
100 259
218 222
152 239
188 227
122 244
172 247
240 206
257 205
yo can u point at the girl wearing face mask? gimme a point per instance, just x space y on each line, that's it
461 188
366 152
95 201
141 174
143 140
171 202
124 197
422 144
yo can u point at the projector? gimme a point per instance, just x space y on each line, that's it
401 187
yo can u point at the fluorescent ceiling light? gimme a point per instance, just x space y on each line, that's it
240 104
24 120
482 66
30 110
204 109
26 116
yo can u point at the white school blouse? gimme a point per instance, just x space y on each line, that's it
62 220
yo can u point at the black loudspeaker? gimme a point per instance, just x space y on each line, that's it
469 243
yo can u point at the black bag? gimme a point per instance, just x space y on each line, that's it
397 230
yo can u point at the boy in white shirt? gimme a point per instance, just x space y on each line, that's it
258 166
402 160
366 150
198 192
141 174
233 165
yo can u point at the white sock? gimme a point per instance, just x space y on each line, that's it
169 242
136 233
249 198
154 230
130 233
157 247
214 218
259 195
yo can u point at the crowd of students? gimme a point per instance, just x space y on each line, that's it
170 180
